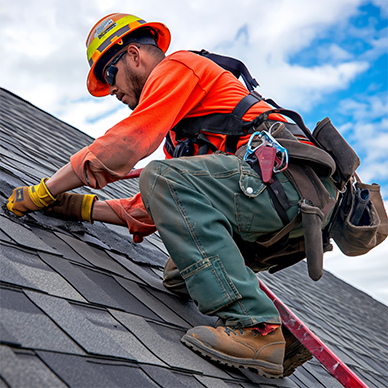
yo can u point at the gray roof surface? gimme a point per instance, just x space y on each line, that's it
83 306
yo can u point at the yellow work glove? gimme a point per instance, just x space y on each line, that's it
73 207
27 199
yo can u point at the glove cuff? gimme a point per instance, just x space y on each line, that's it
87 206
40 194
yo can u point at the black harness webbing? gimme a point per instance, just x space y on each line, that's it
239 111
288 113
230 125
276 192
235 66
244 105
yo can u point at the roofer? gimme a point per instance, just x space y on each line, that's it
200 204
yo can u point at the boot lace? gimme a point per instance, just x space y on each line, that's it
228 330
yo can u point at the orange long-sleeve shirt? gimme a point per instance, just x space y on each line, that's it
183 85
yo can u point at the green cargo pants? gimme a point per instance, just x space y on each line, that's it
196 204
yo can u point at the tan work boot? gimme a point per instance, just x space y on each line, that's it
296 354
240 348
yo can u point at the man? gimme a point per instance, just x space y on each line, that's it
196 203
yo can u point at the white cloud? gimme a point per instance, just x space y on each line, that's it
366 108
94 116
301 88
368 272
335 53
379 46
48 47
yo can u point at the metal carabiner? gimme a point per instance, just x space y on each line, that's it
251 151
281 162
281 159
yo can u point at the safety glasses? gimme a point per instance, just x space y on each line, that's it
112 70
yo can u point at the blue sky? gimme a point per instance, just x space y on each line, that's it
327 58
363 37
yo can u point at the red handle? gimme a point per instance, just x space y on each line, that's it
133 174
316 347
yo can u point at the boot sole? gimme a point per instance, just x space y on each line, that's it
263 368
294 358
296 354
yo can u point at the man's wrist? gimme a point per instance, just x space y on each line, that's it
64 179
101 211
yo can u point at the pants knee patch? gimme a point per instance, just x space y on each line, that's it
209 285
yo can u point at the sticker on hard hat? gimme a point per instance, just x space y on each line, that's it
103 28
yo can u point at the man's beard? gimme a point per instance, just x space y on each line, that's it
137 84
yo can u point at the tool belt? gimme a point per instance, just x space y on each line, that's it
356 219
307 166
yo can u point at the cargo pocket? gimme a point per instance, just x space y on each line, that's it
209 285
250 183
252 205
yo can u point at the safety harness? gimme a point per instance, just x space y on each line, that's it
308 164
189 131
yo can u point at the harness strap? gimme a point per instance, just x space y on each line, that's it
289 113
204 144
245 104
168 145
276 192
235 66
239 111
229 124
231 144
279 199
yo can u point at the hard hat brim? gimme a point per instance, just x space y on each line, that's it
98 88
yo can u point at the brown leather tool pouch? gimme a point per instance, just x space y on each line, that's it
312 220
371 226
345 158
378 203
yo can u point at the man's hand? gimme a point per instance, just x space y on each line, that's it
73 207
27 199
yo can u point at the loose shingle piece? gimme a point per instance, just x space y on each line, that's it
81 305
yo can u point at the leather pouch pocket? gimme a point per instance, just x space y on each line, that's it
312 220
356 239
345 158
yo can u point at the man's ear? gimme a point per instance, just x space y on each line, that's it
134 54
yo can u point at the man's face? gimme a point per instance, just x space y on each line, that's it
128 83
